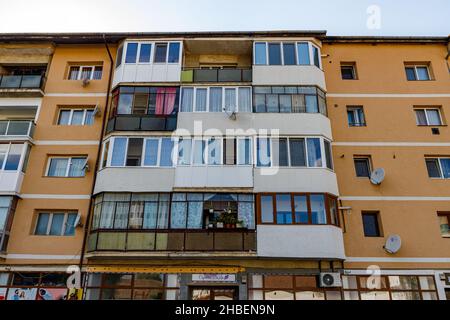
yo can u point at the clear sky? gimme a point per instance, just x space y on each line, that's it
338 17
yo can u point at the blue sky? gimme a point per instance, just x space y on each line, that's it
338 17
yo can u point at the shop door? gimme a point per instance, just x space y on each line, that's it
214 293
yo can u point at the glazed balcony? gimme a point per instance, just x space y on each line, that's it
16 129
21 85
199 75
142 123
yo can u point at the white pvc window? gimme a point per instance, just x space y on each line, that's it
10 156
55 224
85 72
149 52
72 167
428 116
76 117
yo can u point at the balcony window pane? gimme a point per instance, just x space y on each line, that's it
58 167
119 56
130 56
163 214
314 153
214 151
57 224
260 102
230 100
184 151
311 104
318 212
13 159
146 51
160 52
201 99
70 224
199 152
244 151
151 152
260 53
174 52
422 73
445 165
434 118
328 154
125 104
187 100
3 216
229 151
298 103
121 215
301 209
166 152
246 213
284 209
282 152
178 215
272 103
263 152
134 152
42 224
64 117
303 53
285 103
297 152
244 100
150 215
73 73
195 215
77 167
267 209
274 54
215 99
316 56
3 151
77 117
118 154
289 54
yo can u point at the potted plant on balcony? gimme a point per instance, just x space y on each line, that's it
229 220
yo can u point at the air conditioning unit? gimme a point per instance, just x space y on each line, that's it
330 280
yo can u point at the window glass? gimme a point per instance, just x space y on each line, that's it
445 167
58 167
166 152
434 118
118 153
13 159
145 53
130 56
98 70
422 73
229 151
73 72
42 224
297 152
214 151
77 117
284 209
274 54
289 53
318 212
267 209
362 167
201 99
303 53
64 117
421 117
160 52
260 53
199 152
178 215
57 224
328 154
125 103
263 152
370 225
272 103
316 56
410 73
244 151
151 152
215 99
282 151
184 151
77 167
174 52
433 168
314 153
134 152
119 56
301 209
187 100
348 72
70 224
311 104
285 103
244 100
89 119
230 100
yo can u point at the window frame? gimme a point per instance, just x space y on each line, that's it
7 153
445 214
356 115
414 66
69 164
83 122
368 160
378 225
438 160
351 65
425 110
50 221
80 68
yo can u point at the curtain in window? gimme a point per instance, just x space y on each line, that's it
297 152
263 150
433 118
285 103
311 104
272 102
86 72
318 213
214 154
73 73
178 215
150 215
187 100
201 99
107 217
121 216
421 118
246 214
160 95
230 100
163 213
136 215
195 215
171 95
184 151
314 154
298 103
244 100
77 167
199 152
244 151
3 215
445 164
58 167
97 214
215 99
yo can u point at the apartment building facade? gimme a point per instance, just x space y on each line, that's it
229 165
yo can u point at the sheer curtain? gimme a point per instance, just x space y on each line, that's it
178 215
246 214
201 99
77 167
244 100
171 95
195 215
163 212
215 99
433 117
58 167
187 100
314 154
160 95
230 100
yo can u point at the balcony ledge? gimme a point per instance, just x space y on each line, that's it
171 255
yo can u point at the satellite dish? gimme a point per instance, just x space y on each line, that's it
77 221
85 82
393 244
377 176
231 116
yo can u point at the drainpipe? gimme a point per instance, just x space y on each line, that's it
97 162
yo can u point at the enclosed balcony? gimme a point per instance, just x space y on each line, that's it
13 161
144 109
16 129
21 81
211 75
